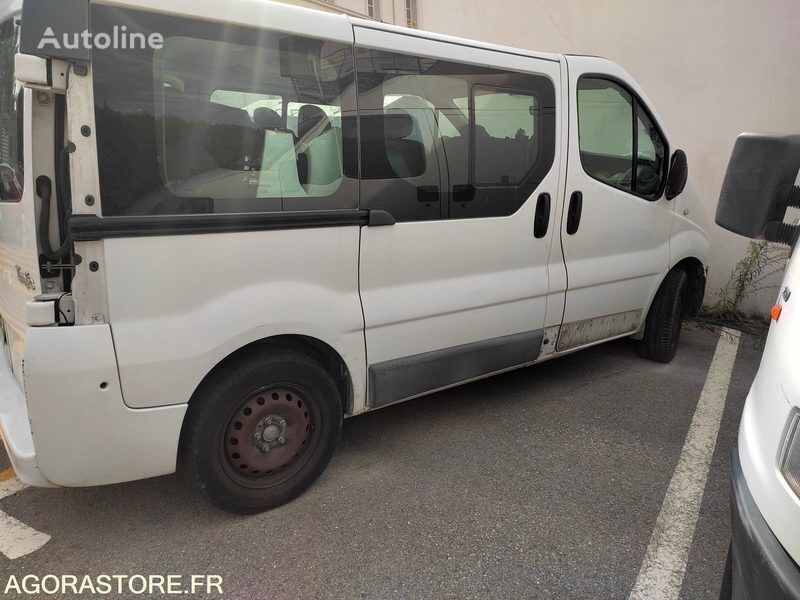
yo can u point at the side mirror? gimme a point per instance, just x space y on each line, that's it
678 174
760 184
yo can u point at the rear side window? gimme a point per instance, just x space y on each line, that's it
11 117
620 144
444 140
222 119
505 136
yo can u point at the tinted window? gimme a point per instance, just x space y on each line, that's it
609 140
11 104
221 119
505 140
446 140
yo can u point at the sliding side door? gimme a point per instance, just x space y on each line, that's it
461 147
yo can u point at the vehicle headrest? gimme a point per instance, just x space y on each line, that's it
219 114
311 117
266 118
387 126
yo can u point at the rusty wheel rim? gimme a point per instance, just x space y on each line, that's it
269 436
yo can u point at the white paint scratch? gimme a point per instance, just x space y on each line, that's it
664 566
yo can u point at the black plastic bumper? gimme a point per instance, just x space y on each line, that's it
761 567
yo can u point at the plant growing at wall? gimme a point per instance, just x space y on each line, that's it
752 274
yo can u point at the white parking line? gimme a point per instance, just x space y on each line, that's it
664 563
16 538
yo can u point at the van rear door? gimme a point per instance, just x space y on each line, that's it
19 262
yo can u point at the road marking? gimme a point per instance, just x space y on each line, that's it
9 487
664 565
7 474
16 538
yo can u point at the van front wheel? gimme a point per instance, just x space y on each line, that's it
261 431
662 329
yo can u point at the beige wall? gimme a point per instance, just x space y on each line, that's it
388 11
713 68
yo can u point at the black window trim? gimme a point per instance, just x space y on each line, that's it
636 104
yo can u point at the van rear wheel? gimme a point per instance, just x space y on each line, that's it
261 431
662 330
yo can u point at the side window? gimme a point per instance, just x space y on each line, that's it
222 119
442 140
651 166
11 118
505 140
605 128
620 144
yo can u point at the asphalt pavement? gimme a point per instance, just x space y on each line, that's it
545 482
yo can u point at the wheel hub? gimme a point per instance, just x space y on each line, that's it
270 433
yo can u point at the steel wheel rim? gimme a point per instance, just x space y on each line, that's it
269 436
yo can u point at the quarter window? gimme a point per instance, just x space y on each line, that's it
222 119
620 144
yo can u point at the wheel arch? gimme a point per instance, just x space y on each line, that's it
320 351
694 269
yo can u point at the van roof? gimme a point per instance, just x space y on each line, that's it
429 35
317 23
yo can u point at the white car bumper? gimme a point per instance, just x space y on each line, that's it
71 427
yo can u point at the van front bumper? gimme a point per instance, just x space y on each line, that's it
761 567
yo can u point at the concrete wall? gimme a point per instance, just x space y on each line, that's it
713 68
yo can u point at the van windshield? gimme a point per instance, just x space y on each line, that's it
10 116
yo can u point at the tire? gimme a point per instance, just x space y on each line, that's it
662 329
261 431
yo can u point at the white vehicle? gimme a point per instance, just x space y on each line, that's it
276 218
762 182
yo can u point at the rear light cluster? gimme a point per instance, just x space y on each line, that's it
790 458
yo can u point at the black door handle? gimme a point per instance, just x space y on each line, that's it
574 212
542 219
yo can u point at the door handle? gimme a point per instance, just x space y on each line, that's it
542 219
574 212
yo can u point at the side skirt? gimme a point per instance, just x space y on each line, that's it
581 333
403 378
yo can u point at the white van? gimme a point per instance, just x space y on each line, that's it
762 183
237 224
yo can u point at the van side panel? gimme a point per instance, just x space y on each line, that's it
170 329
